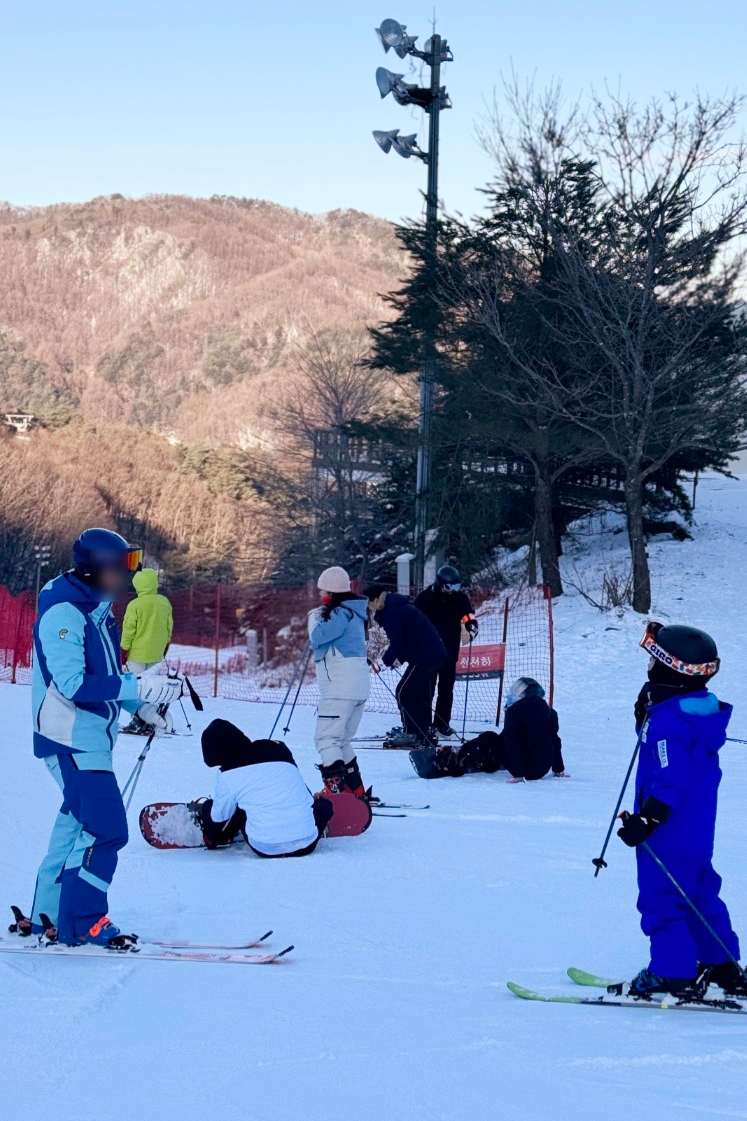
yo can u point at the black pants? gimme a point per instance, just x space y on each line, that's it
444 678
414 698
491 751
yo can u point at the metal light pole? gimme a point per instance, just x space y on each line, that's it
432 100
42 553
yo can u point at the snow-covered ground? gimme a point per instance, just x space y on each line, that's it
394 1004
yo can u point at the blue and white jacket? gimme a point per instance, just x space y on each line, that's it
78 683
339 648
679 765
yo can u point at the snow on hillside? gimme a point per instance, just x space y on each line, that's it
394 1004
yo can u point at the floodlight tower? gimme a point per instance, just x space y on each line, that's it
431 99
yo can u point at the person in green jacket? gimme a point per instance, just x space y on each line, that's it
146 631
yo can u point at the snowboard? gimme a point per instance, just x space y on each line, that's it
176 825
352 815
425 763
172 825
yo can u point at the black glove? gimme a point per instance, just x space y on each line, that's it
638 827
472 627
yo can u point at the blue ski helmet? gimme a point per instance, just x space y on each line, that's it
97 549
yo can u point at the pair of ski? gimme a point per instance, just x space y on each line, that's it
616 997
155 950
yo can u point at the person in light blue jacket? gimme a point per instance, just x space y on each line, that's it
78 691
337 632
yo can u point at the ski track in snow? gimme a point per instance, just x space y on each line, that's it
394 1004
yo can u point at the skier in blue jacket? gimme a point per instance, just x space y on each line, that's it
682 727
78 690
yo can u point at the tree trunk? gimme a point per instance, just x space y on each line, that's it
545 530
638 554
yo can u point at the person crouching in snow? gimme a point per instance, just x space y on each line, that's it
259 792
528 748
681 729
337 633
146 633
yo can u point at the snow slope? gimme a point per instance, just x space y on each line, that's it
394 1005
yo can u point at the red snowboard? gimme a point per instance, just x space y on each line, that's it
352 815
176 825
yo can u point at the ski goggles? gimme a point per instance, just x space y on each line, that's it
452 587
130 560
650 643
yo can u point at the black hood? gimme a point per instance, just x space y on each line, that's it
225 746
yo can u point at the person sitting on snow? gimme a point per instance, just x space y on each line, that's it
528 748
259 792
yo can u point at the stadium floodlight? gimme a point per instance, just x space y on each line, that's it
403 92
407 146
385 139
393 36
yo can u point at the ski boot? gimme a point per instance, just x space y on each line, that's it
22 926
105 933
353 779
444 730
727 976
647 984
335 778
137 727
400 740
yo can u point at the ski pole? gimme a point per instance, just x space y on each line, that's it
645 845
298 690
732 739
287 693
377 671
466 687
184 713
137 769
598 861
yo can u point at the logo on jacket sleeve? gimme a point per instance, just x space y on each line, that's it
63 632
663 757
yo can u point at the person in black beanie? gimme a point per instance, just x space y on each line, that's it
259 791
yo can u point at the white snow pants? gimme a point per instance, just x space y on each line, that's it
337 720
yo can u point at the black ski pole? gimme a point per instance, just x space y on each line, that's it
194 696
424 736
598 861
645 845
184 713
466 687
732 739
298 690
287 692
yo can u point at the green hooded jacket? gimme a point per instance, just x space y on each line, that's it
148 621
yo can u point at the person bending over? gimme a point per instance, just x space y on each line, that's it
259 792
412 639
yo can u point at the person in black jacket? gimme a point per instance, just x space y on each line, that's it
412 639
450 610
528 747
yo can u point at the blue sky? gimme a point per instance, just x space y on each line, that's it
277 99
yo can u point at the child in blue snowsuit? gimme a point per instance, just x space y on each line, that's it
682 727
78 690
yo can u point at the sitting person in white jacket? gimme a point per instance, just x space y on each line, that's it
337 632
259 792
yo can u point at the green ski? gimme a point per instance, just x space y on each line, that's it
729 1006
590 980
